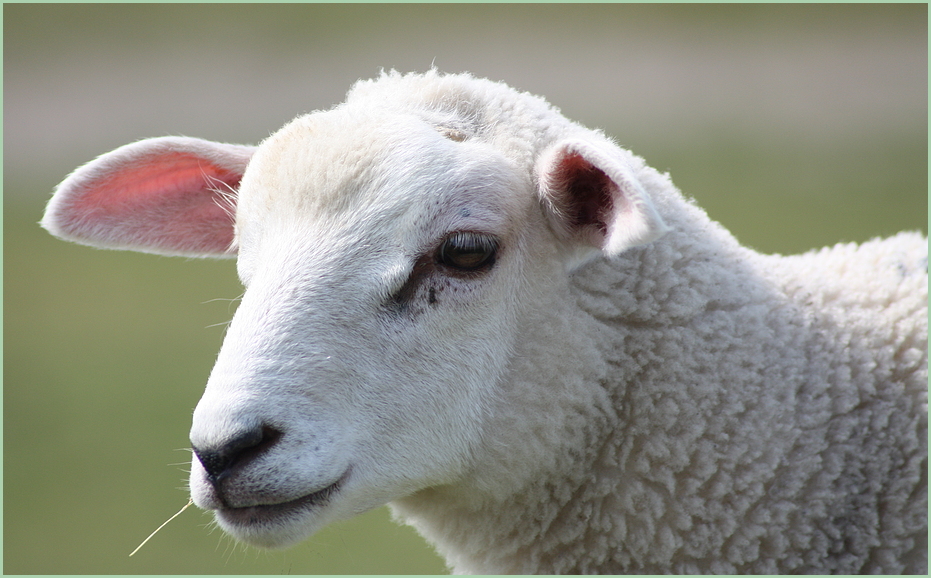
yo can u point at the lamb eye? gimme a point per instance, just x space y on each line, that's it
467 251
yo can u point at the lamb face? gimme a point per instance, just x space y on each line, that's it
382 262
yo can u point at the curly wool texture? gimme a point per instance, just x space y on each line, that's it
695 407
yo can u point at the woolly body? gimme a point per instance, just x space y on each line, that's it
621 388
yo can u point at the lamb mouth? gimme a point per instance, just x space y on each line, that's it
264 513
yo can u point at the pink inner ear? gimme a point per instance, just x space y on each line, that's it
168 175
594 197
175 193
587 199
172 196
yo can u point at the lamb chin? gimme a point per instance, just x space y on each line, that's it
282 524
275 526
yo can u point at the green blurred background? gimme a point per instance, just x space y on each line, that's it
796 126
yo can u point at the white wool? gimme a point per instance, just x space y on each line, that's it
623 388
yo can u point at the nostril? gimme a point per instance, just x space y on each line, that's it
219 461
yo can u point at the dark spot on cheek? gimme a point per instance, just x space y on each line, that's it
432 298
421 271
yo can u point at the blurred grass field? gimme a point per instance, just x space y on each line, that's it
106 353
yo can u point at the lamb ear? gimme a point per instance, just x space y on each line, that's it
171 195
594 197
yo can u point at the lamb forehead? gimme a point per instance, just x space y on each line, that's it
321 162
339 168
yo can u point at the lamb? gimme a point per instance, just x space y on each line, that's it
529 344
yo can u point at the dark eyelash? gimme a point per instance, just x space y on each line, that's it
468 252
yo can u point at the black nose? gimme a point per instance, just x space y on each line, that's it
219 462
